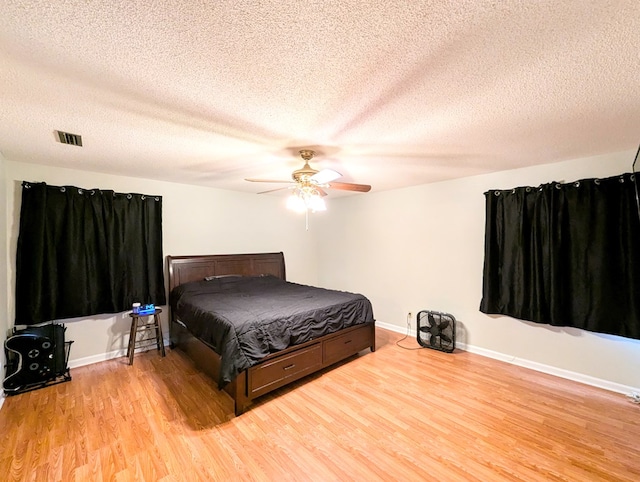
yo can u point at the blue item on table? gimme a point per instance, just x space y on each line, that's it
147 309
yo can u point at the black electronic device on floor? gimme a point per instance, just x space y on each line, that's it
436 330
36 357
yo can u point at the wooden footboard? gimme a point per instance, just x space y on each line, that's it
281 368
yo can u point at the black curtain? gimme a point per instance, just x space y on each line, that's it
86 251
565 255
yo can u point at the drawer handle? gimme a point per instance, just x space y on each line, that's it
348 341
289 367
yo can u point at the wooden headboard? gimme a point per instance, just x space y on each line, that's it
182 269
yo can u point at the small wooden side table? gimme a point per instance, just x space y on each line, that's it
153 325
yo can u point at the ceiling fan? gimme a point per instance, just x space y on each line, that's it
313 181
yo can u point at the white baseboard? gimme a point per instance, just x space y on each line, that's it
539 367
89 360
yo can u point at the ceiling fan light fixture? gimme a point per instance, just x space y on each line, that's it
309 186
296 203
316 203
305 199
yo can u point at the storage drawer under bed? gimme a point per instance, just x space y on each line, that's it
281 370
343 346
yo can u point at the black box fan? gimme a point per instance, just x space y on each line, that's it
436 330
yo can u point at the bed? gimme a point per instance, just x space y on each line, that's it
226 313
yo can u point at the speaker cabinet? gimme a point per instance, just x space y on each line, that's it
36 357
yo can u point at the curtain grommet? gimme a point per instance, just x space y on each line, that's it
80 191
621 180
577 184
558 186
528 189
63 189
157 198
596 182
496 193
143 197
129 196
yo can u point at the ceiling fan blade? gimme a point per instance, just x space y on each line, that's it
348 186
325 176
322 192
265 180
273 190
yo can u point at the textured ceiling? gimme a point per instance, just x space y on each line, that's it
390 93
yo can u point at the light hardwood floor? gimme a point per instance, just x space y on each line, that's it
389 415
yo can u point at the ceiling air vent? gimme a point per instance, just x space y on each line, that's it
73 139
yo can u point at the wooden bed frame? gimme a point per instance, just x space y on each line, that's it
277 369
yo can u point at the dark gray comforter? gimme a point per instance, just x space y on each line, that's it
245 319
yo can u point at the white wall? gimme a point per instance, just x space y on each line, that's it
407 250
196 220
423 248
4 316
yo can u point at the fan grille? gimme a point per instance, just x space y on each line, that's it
436 330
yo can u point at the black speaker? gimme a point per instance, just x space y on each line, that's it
36 357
